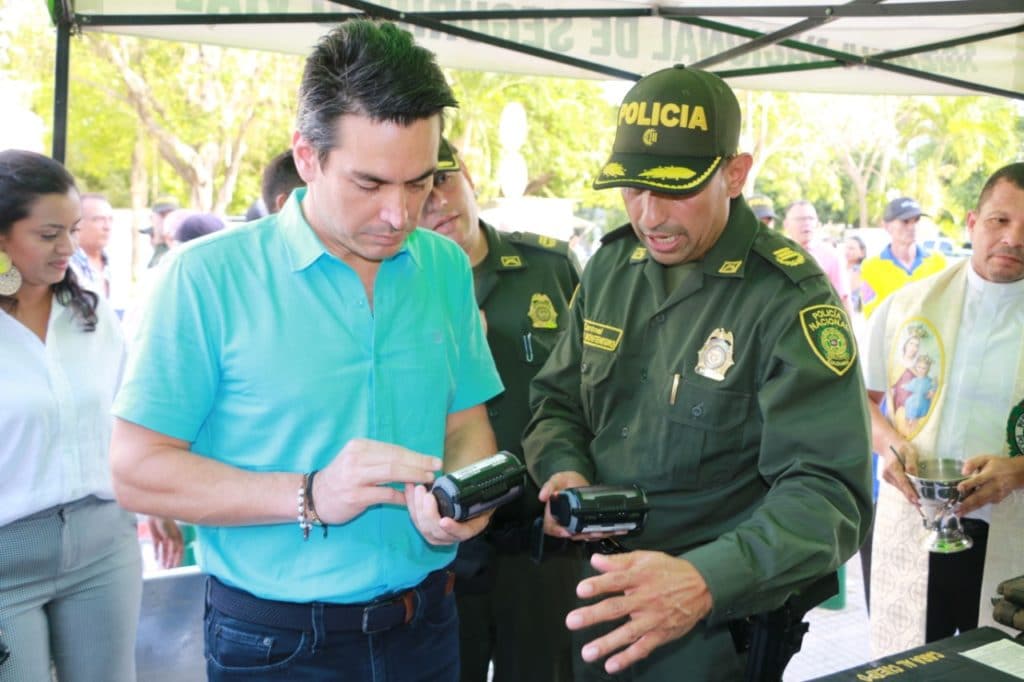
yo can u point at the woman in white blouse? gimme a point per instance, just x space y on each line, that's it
70 566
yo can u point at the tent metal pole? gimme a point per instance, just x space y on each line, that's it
61 70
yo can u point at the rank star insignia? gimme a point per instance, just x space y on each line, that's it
542 312
1015 430
715 357
828 331
549 242
639 253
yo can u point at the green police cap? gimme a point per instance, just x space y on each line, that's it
447 160
675 127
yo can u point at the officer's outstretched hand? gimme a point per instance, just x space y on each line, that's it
991 480
662 596
360 477
894 473
439 530
558 482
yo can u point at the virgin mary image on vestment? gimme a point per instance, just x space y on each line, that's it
915 371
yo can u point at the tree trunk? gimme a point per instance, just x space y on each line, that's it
139 190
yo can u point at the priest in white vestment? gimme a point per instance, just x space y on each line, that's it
962 397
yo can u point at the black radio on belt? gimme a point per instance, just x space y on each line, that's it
601 508
479 487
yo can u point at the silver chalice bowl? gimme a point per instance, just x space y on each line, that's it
935 483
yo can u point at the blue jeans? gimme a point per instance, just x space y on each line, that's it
426 649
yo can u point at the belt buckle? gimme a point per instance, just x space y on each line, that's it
407 600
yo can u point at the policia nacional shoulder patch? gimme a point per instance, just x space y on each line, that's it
828 332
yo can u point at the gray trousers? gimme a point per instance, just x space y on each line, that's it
70 589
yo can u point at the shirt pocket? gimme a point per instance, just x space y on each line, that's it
595 368
536 345
703 436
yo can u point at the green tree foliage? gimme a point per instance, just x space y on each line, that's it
950 147
199 106
148 118
571 126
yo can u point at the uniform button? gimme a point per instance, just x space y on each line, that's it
492 411
659 318
643 375
584 367
625 432
697 410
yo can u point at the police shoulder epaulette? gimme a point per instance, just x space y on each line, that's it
618 233
539 241
785 255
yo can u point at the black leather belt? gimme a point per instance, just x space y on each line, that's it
369 617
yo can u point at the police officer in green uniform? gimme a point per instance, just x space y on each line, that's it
708 360
511 608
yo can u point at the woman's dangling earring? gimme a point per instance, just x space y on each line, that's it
10 277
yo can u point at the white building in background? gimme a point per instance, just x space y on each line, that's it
20 127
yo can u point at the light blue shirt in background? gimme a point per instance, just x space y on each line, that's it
260 349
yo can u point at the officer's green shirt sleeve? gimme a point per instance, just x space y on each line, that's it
557 437
814 461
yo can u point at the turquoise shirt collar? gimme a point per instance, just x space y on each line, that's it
302 244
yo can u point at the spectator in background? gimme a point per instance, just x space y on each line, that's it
854 253
157 237
257 209
194 226
511 609
280 177
70 570
902 261
90 262
763 208
801 225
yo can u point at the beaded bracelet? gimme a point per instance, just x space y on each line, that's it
313 517
304 524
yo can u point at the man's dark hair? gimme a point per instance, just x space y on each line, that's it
371 69
25 177
279 177
1013 172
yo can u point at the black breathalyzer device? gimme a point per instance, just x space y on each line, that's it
601 508
479 487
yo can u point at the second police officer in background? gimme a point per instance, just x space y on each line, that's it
710 362
511 609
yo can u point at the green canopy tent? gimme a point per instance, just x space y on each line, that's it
863 46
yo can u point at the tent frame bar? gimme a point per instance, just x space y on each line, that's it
811 16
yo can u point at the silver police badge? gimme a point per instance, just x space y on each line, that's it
715 358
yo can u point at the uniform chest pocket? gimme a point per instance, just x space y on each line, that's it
537 345
707 430
595 369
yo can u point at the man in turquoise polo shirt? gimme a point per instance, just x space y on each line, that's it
321 366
